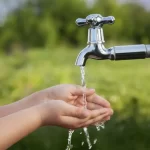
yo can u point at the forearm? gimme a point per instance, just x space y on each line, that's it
18 125
27 102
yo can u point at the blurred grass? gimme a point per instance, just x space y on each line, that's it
119 81
124 83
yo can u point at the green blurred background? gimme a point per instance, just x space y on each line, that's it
39 43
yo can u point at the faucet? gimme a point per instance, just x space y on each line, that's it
95 48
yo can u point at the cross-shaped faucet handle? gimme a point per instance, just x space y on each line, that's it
95 20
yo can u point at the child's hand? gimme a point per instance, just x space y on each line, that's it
62 114
73 94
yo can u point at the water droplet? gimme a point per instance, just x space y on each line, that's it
87 137
102 125
69 146
90 147
95 141
82 143
99 126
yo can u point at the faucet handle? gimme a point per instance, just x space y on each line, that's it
81 22
95 20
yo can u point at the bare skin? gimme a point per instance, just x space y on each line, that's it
17 122
69 93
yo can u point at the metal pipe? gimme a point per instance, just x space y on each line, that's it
96 49
130 52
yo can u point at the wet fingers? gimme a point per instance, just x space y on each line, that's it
93 106
99 118
98 100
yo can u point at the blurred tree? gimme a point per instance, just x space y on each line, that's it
109 8
47 23
135 19
43 23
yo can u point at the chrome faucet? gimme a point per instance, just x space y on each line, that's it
95 48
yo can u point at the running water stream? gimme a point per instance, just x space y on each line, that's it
69 146
83 83
85 129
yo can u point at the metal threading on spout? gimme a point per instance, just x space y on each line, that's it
95 48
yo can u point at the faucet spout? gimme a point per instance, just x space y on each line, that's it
84 54
92 51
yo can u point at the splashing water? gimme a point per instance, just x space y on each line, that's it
83 85
99 126
85 129
95 141
82 143
70 146
102 125
85 105
87 137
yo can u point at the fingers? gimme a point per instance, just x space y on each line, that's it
89 92
79 90
77 112
82 113
93 106
98 112
97 119
75 117
104 120
90 95
98 100
94 120
71 122
74 122
85 114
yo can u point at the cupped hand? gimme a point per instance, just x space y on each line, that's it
62 114
73 94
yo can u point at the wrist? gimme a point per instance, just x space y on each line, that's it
49 94
36 98
41 112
